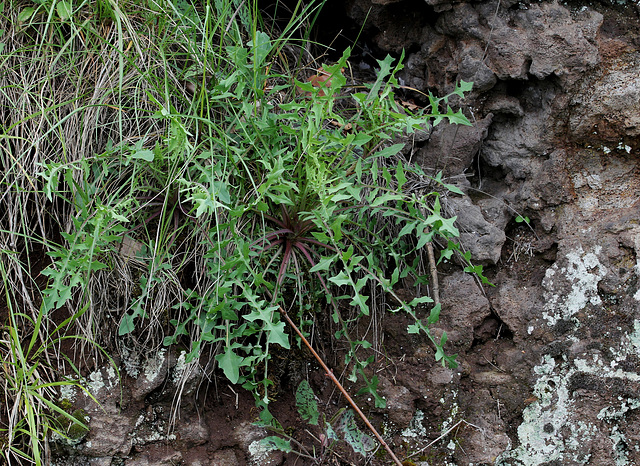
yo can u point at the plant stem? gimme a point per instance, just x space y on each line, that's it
341 388
434 274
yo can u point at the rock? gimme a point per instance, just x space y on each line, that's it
109 434
400 405
193 432
153 374
158 457
542 40
608 104
248 437
225 457
451 148
464 307
478 236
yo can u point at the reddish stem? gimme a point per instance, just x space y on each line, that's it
341 388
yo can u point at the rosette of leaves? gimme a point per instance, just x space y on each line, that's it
316 193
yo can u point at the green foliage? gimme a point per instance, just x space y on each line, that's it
214 184
341 428
306 403
26 383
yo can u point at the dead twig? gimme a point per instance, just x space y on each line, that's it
435 288
333 378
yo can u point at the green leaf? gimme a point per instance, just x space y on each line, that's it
463 87
361 139
230 364
260 47
276 334
360 301
347 254
272 443
143 154
25 14
126 325
323 264
413 328
306 403
400 176
390 151
423 299
341 279
64 9
434 316
407 229
453 189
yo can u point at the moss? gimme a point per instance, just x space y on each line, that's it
74 428
65 404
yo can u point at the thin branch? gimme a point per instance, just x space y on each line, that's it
341 388
434 274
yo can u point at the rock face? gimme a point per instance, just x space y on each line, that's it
550 356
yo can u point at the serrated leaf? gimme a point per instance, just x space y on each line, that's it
413 328
276 334
341 279
434 316
360 301
462 87
306 403
323 264
407 229
230 363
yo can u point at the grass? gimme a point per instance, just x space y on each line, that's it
184 174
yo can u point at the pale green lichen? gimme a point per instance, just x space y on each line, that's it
583 272
553 427
96 381
261 454
550 429
546 422
153 366
416 429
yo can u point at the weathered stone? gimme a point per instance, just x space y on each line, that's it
451 148
607 108
478 236
464 308
400 402
153 374
226 457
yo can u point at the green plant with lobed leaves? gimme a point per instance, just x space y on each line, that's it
332 432
200 178
309 189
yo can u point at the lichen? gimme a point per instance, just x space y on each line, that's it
416 429
547 421
96 381
581 274
153 365
551 428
